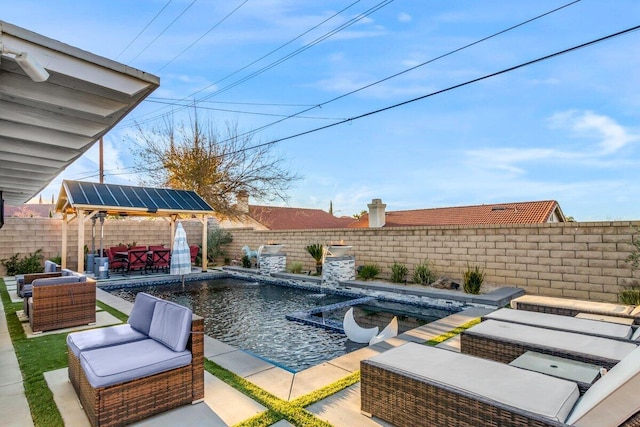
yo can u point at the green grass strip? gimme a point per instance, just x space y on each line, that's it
35 357
441 338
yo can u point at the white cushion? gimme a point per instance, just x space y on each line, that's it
565 323
613 398
102 337
171 325
568 341
580 305
541 394
636 335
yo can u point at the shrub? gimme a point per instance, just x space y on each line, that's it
423 274
296 267
56 259
399 273
630 296
634 258
28 264
216 238
473 279
368 271
246 261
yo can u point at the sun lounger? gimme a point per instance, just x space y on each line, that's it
572 307
504 342
563 323
421 386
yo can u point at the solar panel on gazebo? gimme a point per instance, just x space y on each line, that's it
111 196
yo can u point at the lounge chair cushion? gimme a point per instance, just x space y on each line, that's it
26 291
567 341
171 325
636 335
554 321
125 362
66 272
613 398
579 305
50 267
102 337
541 394
142 312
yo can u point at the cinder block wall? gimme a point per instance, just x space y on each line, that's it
573 260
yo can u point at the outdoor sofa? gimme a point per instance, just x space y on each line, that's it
154 363
504 342
573 307
565 323
64 300
50 270
417 385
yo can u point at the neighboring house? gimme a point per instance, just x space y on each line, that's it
31 210
539 212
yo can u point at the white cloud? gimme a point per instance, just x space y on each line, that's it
587 124
404 17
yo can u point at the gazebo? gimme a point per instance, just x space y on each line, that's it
83 201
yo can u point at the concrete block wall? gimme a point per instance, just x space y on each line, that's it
572 260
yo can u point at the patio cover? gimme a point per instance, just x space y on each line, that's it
45 126
84 200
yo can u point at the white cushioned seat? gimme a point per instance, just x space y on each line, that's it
125 362
142 312
567 341
541 394
579 305
171 325
565 323
102 337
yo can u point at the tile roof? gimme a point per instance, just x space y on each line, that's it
284 218
503 213
32 210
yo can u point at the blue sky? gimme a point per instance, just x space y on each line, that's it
566 129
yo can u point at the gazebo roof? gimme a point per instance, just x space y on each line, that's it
128 200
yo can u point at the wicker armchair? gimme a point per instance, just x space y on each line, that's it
62 302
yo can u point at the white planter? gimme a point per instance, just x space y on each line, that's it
272 249
339 250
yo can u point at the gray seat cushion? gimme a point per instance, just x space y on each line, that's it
26 291
50 266
171 325
541 394
55 281
568 341
565 323
125 362
142 312
102 337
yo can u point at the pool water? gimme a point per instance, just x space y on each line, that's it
251 316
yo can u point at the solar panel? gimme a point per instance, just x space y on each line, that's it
125 196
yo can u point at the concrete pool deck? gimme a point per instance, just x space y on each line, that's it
223 404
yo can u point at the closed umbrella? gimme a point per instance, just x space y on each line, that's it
180 256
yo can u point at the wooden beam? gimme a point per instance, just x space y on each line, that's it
80 214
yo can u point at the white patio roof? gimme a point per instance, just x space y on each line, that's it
45 126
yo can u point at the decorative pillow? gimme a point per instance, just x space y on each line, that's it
142 312
171 325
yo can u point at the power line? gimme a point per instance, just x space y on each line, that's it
143 30
163 31
202 36
174 101
256 130
450 88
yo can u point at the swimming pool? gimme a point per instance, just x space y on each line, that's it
252 316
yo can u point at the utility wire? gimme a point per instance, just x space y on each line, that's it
143 30
256 130
174 101
202 36
450 88
163 31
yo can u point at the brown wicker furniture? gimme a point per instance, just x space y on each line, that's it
137 398
572 307
27 279
504 342
416 385
61 302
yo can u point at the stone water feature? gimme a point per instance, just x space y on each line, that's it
338 266
272 259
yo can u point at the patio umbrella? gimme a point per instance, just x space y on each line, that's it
180 255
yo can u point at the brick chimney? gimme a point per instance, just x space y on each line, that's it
242 202
376 213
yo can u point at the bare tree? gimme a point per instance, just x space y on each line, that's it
215 165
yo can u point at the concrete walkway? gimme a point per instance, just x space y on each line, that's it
223 405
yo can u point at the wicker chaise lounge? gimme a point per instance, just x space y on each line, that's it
573 307
130 372
504 342
420 386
